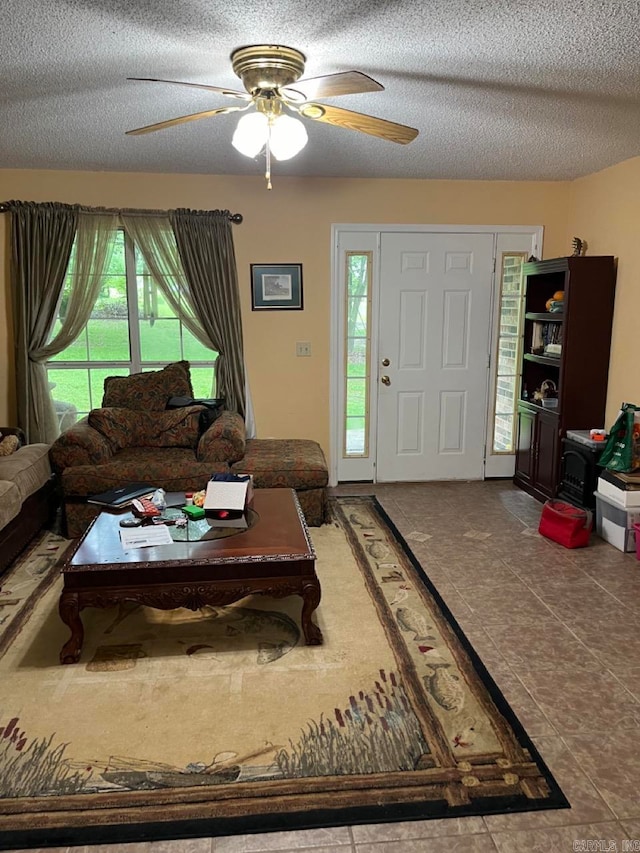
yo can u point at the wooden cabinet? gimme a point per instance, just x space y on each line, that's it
567 350
537 450
526 446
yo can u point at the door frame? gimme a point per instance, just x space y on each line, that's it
337 311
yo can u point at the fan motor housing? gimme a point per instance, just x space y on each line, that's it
264 67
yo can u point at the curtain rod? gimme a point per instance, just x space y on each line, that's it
235 218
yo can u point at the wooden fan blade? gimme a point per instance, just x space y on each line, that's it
359 121
231 93
182 120
332 85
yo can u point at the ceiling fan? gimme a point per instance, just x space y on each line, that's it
271 76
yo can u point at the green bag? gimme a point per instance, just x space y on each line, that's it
622 450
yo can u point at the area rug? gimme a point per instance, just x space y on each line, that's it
178 724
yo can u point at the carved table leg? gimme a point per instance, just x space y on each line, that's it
70 614
310 600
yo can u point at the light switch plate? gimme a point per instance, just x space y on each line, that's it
303 348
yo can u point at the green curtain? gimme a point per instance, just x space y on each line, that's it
205 245
95 241
154 238
41 239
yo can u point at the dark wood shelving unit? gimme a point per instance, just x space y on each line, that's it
580 371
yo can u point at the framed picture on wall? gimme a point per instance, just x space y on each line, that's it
276 287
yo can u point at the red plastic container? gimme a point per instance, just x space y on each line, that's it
566 524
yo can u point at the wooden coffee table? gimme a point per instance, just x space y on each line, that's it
273 557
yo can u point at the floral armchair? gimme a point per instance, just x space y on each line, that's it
133 437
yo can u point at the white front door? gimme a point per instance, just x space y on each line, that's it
433 355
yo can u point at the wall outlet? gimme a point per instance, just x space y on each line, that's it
303 348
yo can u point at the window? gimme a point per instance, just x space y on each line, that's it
357 354
131 329
509 348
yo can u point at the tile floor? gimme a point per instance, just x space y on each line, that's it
559 632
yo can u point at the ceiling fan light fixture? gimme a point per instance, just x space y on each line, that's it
285 136
272 78
288 137
251 134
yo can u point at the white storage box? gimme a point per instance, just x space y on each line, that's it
629 498
614 523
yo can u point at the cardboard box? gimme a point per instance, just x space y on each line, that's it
618 490
225 498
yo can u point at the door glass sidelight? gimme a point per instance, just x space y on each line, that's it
357 348
507 379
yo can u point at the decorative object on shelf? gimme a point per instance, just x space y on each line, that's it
276 287
553 350
579 247
549 388
547 394
555 304
531 258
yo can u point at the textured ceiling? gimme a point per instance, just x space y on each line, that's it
499 89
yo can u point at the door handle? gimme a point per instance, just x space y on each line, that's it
385 362
385 380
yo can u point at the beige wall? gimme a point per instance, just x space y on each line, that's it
292 223
604 211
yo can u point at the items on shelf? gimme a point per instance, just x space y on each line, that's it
552 337
579 247
547 394
546 339
537 341
555 304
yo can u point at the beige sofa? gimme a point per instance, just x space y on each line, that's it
26 495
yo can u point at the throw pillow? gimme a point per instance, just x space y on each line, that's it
149 391
9 444
122 427
178 428
129 428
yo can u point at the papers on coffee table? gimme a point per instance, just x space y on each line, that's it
145 537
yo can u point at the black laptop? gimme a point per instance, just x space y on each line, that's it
121 496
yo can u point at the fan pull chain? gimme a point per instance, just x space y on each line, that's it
268 172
